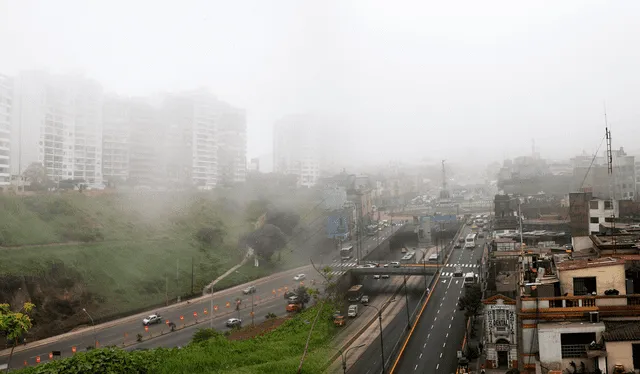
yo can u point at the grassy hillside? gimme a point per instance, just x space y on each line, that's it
275 352
121 252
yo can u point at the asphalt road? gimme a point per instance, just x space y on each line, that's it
265 300
440 331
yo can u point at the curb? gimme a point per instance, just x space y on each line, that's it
106 325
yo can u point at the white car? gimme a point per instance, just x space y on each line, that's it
232 322
369 266
353 311
395 264
376 276
154 318
299 277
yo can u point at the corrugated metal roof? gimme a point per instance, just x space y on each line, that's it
624 332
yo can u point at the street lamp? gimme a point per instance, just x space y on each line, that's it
252 314
406 300
424 265
344 357
95 335
381 340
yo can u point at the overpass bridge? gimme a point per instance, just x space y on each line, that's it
340 269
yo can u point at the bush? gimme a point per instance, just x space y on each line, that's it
202 335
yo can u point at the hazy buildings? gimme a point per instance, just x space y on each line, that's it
6 101
297 149
232 145
115 139
592 174
58 122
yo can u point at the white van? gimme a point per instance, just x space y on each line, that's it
353 311
433 258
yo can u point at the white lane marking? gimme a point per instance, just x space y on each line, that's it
447 335
438 312
432 325
449 325
437 366
420 356
428 335
440 354
444 344
416 368
425 345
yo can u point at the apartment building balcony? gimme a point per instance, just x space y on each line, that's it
579 307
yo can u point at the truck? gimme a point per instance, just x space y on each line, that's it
355 293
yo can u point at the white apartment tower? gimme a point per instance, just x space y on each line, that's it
232 146
296 148
192 138
58 122
6 101
115 139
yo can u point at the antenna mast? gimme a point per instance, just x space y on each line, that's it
444 194
611 178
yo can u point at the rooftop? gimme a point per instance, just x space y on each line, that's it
583 264
622 331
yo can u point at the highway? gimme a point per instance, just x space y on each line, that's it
438 336
268 298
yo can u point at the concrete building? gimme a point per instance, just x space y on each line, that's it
601 211
6 109
58 123
254 165
501 332
115 139
297 148
621 185
232 146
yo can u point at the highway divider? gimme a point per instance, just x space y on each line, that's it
139 316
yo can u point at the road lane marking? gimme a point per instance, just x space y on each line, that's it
449 325
425 345
437 366
438 312
428 335
444 344
440 354
416 368
447 335
432 325
420 356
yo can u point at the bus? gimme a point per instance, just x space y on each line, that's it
355 293
470 241
409 258
346 253
470 278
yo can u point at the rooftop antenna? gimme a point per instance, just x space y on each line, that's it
610 172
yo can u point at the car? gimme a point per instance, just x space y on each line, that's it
385 276
385 265
234 322
376 276
395 264
299 277
365 299
369 266
150 320
461 239
457 246
249 290
293 299
353 311
288 294
457 272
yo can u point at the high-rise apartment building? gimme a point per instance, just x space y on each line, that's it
297 149
232 146
58 122
6 105
115 139
593 175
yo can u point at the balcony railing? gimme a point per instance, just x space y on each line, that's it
578 306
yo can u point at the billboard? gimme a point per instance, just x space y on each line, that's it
338 226
445 219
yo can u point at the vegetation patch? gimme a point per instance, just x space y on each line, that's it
275 352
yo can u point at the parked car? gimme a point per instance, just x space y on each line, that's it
150 320
249 290
233 322
385 276
364 300
299 277
353 311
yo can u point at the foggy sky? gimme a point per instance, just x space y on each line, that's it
412 80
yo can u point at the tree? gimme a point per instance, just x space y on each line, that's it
15 324
36 175
304 295
211 235
203 335
472 300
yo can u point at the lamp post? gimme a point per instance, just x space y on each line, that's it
424 265
344 357
406 300
95 335
252 303
381 340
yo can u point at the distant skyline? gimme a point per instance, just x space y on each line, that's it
466 81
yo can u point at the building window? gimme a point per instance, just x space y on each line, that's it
584 286
607 204
594 220
593 204
608 219
575 345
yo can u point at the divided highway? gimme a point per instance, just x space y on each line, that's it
438 336
267 299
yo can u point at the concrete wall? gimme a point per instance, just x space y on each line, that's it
620 353
607 277
579 213
549 343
